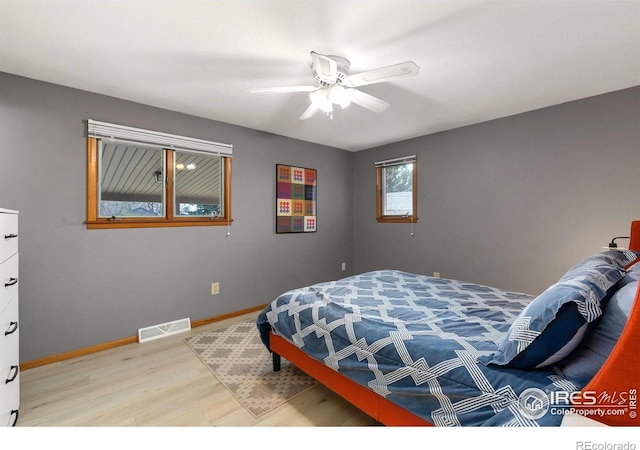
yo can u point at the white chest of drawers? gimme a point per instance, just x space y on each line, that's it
9 333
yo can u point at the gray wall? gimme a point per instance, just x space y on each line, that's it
82 287
510 203
514 202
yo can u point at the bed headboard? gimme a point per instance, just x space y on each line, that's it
634 240
621 371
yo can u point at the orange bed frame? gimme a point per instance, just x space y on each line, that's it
620 373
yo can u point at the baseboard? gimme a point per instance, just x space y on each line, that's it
124 341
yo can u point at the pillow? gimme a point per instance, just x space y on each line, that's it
633 273
624 258
598 346
557 321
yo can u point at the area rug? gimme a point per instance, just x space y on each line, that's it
238 358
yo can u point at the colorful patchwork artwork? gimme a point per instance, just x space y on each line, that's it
309 208
298 191
309 177
297 175
296 197
284 190
310 223
284 224
284 207
298 208
284 174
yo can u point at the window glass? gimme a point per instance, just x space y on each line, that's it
397 190
198 185
131 180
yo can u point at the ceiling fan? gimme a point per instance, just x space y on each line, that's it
334 85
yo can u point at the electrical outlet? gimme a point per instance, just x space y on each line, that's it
344 266
436 274
215 288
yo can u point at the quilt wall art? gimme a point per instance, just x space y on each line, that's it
296 199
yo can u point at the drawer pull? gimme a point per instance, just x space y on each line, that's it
15 421
11 282
15 370
10 236
13 326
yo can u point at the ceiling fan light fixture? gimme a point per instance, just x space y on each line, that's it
338 95
321 100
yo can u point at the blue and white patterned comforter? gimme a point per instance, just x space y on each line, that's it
416 341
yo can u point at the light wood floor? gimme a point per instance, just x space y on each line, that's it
159 383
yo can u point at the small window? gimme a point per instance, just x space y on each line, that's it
133 180
397 190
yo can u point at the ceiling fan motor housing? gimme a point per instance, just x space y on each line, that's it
320 74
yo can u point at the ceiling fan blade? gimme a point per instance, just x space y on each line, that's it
310 111
326 68
282 90
400 70
368 101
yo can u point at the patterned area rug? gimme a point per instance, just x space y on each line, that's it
239 359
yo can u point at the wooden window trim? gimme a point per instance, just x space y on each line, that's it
94 222
380 218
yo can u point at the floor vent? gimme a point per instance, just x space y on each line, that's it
163 330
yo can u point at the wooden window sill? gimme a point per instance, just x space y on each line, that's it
396 220
154 223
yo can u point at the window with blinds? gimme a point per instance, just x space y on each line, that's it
397 190
140 178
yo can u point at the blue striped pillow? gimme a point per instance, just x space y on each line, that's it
556 322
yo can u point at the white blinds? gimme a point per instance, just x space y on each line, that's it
115 132
396 161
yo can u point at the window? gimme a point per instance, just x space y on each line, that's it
138 178
397 190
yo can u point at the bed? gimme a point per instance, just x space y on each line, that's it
409 349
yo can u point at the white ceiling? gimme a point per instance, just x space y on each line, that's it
479 60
